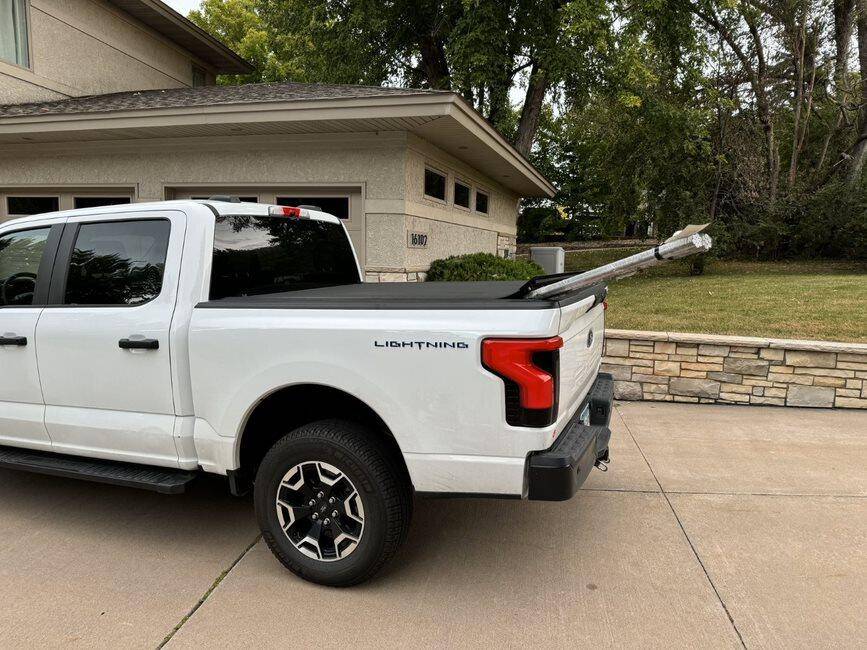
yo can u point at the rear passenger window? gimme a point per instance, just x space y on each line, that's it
20 255
118 263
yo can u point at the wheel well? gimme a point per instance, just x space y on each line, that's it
293 406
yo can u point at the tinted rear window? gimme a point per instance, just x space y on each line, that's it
262 255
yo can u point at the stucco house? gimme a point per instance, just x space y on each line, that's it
112 101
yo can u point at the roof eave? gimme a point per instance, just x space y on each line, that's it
444 104
503 146
224 61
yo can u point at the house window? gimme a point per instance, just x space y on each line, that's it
24 206
199 78
462 195
98 201
481 202
13 32
336 205
435 184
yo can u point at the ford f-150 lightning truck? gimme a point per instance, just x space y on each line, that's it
143 344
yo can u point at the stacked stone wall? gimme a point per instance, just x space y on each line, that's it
698 368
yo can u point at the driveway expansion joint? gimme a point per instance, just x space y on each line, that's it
685 534
208 593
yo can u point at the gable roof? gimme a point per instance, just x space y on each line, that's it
440 117
168 22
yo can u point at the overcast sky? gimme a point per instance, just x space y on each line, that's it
182 6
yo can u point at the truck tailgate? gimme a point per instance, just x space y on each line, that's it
582 331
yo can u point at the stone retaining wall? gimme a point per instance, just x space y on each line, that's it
672 367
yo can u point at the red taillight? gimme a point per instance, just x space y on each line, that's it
284 211
517 360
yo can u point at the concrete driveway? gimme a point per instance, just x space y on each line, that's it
715 527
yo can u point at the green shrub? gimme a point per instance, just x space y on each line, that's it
481 266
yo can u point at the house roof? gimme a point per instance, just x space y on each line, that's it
442 118
205 96
168 22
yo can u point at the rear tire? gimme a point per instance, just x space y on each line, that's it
332 502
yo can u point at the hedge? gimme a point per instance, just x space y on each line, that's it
481 266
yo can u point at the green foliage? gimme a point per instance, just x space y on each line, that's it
238 24
535 224
481 266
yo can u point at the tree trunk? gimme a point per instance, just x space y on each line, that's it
532 110
433 62
843 27
859 151
799 41
771 152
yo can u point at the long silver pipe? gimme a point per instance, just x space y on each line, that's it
670 250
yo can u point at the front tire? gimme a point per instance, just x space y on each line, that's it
332 503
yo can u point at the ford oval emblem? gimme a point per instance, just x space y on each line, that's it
589 338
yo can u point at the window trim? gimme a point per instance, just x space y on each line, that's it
445 175
63 259
46 264
470 190
476 193
28 50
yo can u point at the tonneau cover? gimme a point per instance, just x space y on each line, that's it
402 295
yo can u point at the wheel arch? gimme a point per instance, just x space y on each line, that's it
289 407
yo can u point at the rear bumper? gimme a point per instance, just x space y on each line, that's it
555 474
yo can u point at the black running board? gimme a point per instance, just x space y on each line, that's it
144 477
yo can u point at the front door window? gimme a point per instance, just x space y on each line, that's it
20 255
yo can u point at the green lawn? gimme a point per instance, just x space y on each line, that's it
806 300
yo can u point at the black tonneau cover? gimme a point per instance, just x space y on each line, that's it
405 295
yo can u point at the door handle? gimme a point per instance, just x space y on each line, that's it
138 344
19 341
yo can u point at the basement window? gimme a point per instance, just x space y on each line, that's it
434 185
13 32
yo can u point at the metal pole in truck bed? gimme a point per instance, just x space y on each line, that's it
683 243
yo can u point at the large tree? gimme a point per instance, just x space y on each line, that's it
494 53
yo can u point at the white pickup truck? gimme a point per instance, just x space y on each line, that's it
141 345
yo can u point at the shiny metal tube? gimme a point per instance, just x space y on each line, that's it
670 250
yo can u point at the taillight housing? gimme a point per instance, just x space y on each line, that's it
529 369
